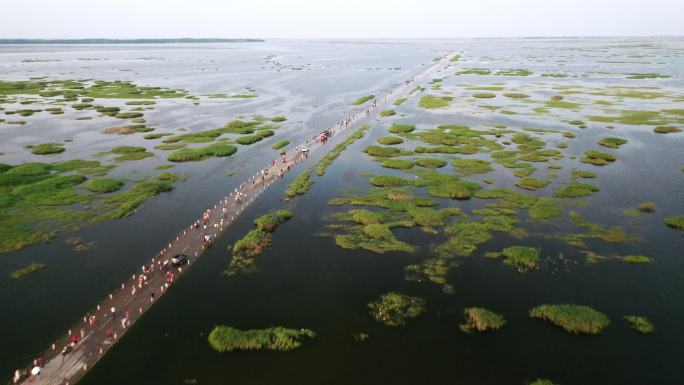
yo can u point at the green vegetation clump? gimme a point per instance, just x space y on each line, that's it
484 95
47 148
637 259
430 163
522 257
395 309
362 100
155 136
202 153
432 102
472 166
676 222
128 115
575 190
400 101
544 208
300 185
103 185
228 339
401 128
383 152
400 164
247 140
612 142
27 270
323 164
481 320
666 130
531 183
583 174
514 72
576 319
641 324
390 140
270 221
389 181
543 381
130 153
280 144
387 113
515 95
475 71
647 76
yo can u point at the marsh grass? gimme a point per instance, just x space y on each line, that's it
431 163
362 100
395 309
250 139
433 102
676 222
467 167
575 319
401 128
640 324
612 142
300 185
202 153
280 144
390 140
103 185
47 148
228 339
401 164
27 270
522 257
481 320
327 160
636 259
387 113
385 152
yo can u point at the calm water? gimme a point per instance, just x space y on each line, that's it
305 280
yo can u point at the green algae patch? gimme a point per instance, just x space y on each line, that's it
597 158
228 339
640 324
433 102
612 142
401 128
390 140
636 259
467 167
478 319
387 113
400 164
431 163
327 160
280 144
544 208
202 153
666 130
531 183
575 319
522 257
395 309
300 185
362 100
103 185
384 152
47 148
676 222
27 270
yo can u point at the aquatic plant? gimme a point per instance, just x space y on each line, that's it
128 115
575 190
202 153
389 181
400 101
666 130
247 140
27 270
641 324
390 140
576 319
362 100
544 208
270 221
516 95
47 148
127 153
543 381
481 320
522 257
401 164
401 128
432 101
612 142
484 95
300 185
387 113
636 259
384 152
103 185
323 164
395 309
467 167
228 339
531 183
280 144
676 222
430 163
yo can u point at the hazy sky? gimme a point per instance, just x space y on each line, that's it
332 19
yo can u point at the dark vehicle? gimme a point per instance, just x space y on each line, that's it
180 259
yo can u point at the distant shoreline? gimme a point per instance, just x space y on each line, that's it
126 41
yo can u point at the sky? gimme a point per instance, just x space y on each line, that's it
338 19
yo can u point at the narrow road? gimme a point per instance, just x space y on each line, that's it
96 332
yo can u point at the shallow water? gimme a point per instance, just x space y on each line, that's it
304 279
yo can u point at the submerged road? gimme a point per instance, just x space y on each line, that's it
96 332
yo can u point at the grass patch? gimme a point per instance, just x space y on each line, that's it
400 101
544 208
362 100
522 257
228 339
433 102
247 140
327 160
384 152
387 113
640 324
280 144
481 320
202 153
127 153
612 142
401 128
676 222
597 158
666 130
515 95
27 270
395 309
636 259
103 185
400 164
390 140
430 163
300 185
531 184
47 148
472 166
575 319
484 95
